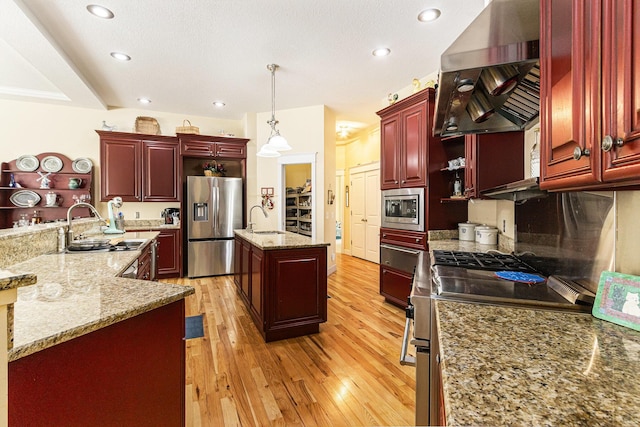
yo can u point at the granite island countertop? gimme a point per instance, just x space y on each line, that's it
77 293
515 366
280 240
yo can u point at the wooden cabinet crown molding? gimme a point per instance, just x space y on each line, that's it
428 94
136 136
189 137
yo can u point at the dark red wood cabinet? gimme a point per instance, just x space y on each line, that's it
395 285
590 94
404 137
169 253
129 373
404 238
285 290
213 146
491 160
139 168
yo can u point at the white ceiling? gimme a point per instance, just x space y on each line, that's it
188 53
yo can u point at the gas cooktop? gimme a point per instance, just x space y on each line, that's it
480 261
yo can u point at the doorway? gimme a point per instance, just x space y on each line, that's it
297 180
339 201
365 211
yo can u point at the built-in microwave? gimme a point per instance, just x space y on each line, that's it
403 208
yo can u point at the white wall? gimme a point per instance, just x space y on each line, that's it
33 128
308 130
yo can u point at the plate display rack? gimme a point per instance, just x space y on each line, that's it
15 200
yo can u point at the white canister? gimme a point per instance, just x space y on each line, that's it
467 231
487 236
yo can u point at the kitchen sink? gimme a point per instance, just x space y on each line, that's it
129 244
268 232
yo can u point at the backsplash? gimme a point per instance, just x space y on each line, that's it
574 230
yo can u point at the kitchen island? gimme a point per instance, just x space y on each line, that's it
282 279
514 366
91 348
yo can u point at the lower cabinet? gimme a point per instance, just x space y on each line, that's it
395 285
285 290
145 265
169 257
129 373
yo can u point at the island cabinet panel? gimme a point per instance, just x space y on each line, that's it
285 290
590 94
256 302
131 373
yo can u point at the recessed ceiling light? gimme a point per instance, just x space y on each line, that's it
219 104
121 56
381 51
144 100
100 11
428 15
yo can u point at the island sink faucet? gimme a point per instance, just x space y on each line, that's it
71 208
250 224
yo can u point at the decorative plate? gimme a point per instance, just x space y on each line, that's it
51 164
82 165
27 163
23 198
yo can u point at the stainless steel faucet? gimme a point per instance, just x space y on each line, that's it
250 224
71 208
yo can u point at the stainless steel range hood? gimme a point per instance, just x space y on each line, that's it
490 76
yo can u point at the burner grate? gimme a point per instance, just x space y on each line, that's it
480 261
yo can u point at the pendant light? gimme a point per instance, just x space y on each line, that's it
276 142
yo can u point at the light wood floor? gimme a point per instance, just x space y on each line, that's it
347 375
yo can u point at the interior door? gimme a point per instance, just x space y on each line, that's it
358 215
372 216
365 215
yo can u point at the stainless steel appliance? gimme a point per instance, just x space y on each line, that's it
403 208
214 210
490 75
467 277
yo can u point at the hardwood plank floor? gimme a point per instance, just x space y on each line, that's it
347 375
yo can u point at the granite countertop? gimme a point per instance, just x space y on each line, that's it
514 366
77 293
280 240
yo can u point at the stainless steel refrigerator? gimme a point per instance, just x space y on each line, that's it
214 210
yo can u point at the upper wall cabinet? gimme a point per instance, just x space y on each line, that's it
139 168
590 104
404 132
212 146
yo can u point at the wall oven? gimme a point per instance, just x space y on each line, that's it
403 209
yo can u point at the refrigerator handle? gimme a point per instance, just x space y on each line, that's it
216 219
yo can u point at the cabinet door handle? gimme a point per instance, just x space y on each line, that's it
417 240
384 235
579 152
608 143
403 181
395 182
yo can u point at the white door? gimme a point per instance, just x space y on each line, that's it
372 216
358 216
365 213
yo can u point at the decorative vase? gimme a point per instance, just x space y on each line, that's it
208 172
